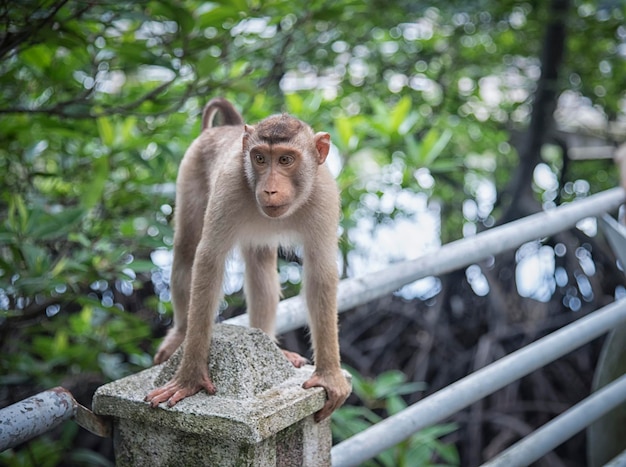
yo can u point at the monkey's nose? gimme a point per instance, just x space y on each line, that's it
270 192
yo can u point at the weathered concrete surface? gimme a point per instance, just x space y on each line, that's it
259 416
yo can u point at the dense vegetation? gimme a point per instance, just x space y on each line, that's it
452 116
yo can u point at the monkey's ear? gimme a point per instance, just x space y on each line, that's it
248 130
322 144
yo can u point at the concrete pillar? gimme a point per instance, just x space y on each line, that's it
260 415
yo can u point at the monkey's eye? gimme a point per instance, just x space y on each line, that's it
259 158
286 159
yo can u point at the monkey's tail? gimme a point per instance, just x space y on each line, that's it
230 116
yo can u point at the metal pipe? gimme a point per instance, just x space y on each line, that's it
563 427
476 386
450 257
43 412
36 415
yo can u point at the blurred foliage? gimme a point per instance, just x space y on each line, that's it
98 101
382 397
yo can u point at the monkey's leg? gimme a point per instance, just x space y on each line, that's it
181 278
262 289
320 286
191 202
193 372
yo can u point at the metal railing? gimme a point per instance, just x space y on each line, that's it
452 256
41 413
461 253
483 382
563 427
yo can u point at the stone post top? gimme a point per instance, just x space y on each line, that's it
243 362
259 392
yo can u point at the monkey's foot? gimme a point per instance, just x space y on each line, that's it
337 391
172 341
296 359
175 391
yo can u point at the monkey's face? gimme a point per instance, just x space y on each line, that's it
278 179
281 158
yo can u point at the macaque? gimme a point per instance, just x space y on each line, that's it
252 187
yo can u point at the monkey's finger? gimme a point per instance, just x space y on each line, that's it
158 396
179 396
159 358
330 403
153 394
180 392
208 386
156 401
312 382
324 412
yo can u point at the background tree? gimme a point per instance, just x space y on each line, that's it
425 103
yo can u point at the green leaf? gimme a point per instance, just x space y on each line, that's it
92 191
79 238
106 131
61 342
387 382
437 431
449 453
433 145
445 166
37 259
294 103
39 56
206 65
392 383
419 454
128 127
395 404
17 216
142 266
59 267
345 132
44 226
399 113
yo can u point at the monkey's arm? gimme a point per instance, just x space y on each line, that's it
320 284
206 285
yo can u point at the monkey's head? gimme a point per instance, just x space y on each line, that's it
281 158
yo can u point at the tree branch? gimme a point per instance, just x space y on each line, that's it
12 41
522 201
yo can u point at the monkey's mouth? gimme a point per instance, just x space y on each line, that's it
275 211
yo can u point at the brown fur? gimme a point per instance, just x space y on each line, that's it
229 114
256 188
279 129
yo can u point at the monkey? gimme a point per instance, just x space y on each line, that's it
255 187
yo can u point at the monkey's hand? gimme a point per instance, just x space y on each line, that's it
179 388
296 359
337 391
